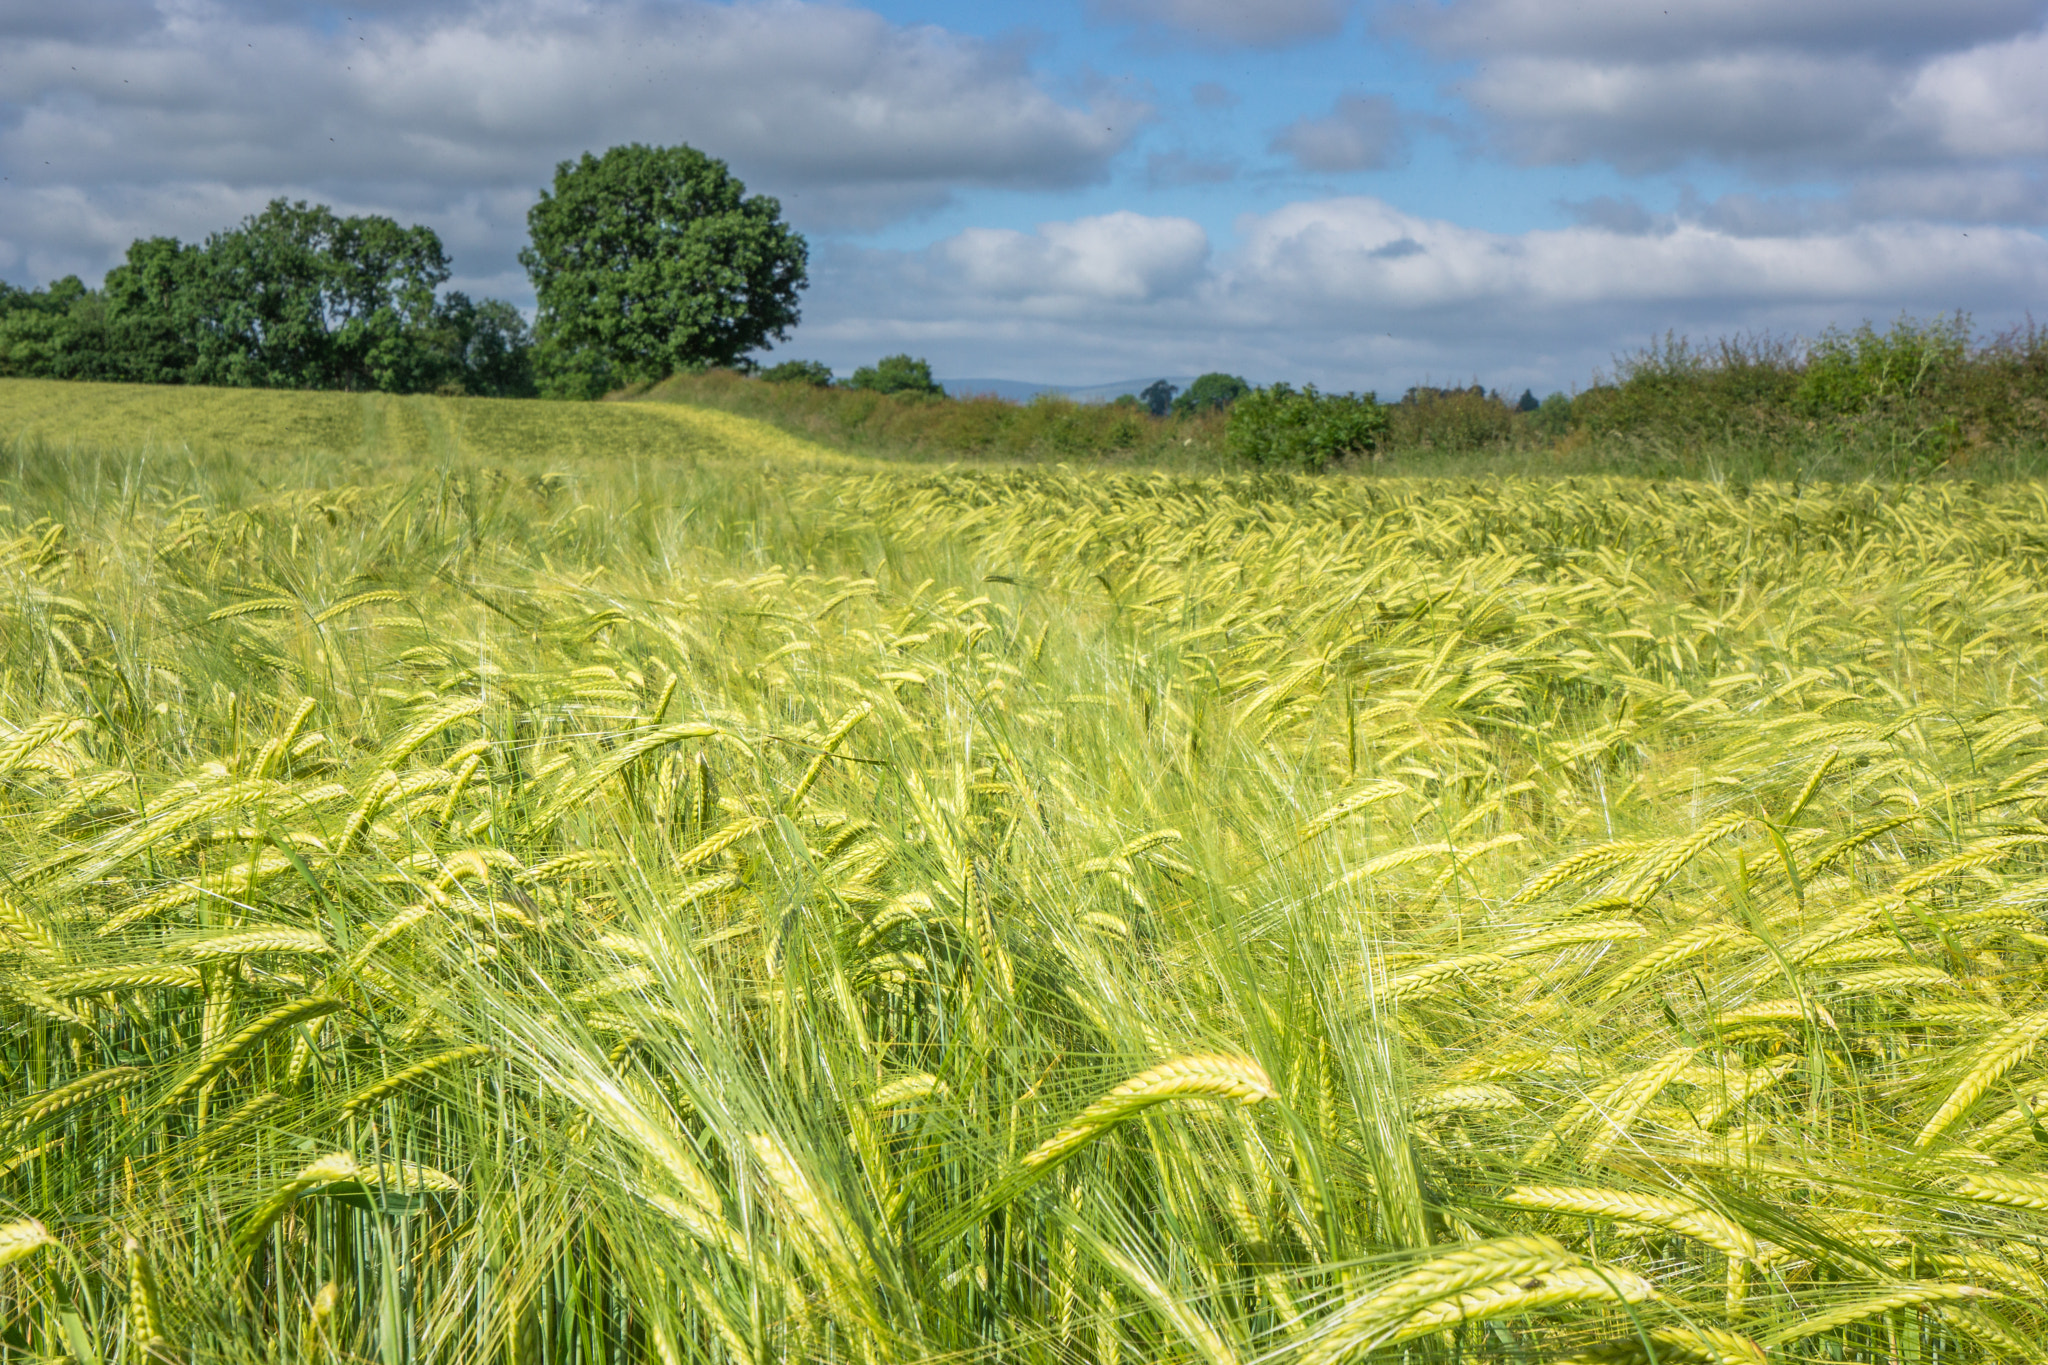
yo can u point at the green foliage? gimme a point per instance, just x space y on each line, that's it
1848 374
1158 396
1447 421
1212 392
655 260
1528 401
575 374
294 297
1919 396
813 372
1303 429
1553 417
493 347
1126 400
898 374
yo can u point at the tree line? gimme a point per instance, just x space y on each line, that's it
644 261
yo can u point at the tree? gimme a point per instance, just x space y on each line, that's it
813 372
1214 391
650 260
294 297
897 374
70 332
1528 403
298 297
489 345
1158 396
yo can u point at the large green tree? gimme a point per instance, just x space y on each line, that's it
294 297
650 260
300 297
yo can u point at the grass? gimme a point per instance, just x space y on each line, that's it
620 884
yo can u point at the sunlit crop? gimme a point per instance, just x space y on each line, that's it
697 899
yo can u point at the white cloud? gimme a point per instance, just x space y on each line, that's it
1354 293
1116 259
1330 256
1233 23
1360 133
1991 101
847 117
1820 87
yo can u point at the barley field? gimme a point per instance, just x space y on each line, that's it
577 884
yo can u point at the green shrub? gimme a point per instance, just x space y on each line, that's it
1552 418
1449 421
1303 429
897 374
1850 374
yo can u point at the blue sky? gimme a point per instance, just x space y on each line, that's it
1360 195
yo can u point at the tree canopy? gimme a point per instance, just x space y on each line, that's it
296 296
897 374
1214 390
649 260
815 373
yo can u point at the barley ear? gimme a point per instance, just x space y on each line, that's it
219 1057
2000 1053
145 1303
1904 1296
1368 1322
1210 1077
329 1169
21 1240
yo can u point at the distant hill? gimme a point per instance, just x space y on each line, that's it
1020 390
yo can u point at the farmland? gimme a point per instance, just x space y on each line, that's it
583 883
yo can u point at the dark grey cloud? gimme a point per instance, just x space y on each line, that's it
1360 133
78 20
1233 23
848 118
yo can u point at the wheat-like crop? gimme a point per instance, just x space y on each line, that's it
818 909
1204 1077
21 1239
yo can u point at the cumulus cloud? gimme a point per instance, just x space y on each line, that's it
1234 23
851 119
1117 259
1835 87
1353 293
1991 101
1361 133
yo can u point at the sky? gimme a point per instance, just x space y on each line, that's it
1358 195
